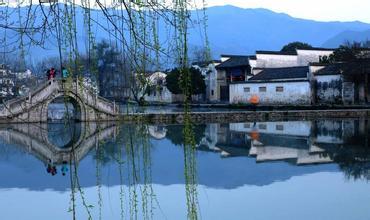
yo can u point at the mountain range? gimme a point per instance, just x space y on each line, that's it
233 30
240 31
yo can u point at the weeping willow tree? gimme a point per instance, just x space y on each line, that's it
148 35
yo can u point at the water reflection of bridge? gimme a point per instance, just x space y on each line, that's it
34 139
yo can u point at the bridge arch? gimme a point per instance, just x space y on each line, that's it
73 98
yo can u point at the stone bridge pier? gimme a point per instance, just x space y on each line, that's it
34 108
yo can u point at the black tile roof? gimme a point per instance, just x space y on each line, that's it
356 67
235 61
276 52
281 73
331 69
206 63
319 48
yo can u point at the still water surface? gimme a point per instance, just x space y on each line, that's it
264 170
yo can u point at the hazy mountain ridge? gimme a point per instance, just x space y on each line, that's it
233 30
358 36
247 30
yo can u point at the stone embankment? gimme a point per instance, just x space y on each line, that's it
245 116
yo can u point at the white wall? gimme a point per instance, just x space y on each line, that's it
164 96
294 93
276 60
310 56
329 89
293 128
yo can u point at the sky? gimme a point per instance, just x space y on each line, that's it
321 10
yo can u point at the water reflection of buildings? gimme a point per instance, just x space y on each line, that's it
299 142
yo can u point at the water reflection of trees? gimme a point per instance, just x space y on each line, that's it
175 133
130 152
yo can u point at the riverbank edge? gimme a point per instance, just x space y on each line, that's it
244 116
231 116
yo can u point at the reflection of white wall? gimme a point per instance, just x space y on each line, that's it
210 138
157 132
294 128
276 153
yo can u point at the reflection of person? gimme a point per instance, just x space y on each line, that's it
64 168
51 168
48 169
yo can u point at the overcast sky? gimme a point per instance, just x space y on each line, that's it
322 10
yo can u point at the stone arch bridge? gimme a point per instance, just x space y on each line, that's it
34 107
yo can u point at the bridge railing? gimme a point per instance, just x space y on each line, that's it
101 103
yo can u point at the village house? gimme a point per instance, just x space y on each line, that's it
7 84
236 69
232 69
275 86
327 83
209 71
342 83
157 90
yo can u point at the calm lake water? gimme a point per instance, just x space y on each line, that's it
264 170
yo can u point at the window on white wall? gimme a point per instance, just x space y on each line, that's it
279 127
279 89
262 126
247 89
262 89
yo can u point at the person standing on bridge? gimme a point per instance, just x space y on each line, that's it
52 73
64 73
48 74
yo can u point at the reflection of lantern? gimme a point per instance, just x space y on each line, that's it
254 100
255 135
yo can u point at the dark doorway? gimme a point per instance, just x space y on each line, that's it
224 93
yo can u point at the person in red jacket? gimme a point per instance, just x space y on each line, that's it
52 73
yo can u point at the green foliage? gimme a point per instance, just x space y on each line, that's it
176 83
291 47
346 52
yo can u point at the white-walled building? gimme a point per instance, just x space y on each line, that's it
234 68
328 83
275 59
7 83
307 56
300 57
209 72
158 91
275 86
